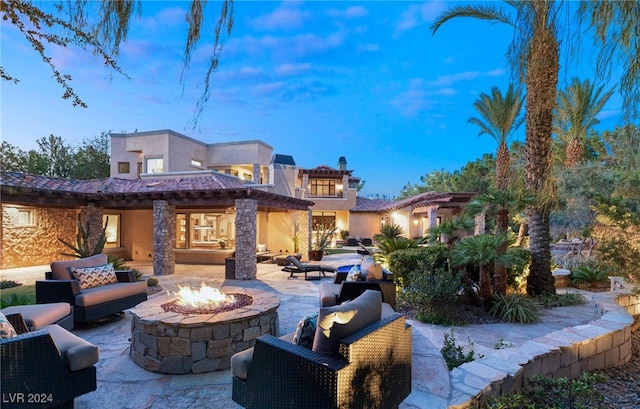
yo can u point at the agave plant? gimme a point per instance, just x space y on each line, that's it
83 248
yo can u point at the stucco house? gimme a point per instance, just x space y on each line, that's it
171 198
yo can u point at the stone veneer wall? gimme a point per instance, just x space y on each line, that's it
164 238
24 246
603 343
246 217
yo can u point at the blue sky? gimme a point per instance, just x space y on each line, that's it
316 80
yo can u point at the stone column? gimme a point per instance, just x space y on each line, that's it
304 235
256 173
246 219
92 215
305 185
480 224
307 234
164 238
432 218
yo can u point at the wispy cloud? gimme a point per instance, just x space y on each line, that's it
447 80
348 13
419 14
413 101
284 18
292 69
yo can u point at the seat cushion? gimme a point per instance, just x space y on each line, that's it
37 316
339 321
109 292
328 293
60 269
241 361
78 353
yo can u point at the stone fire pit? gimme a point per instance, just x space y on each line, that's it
173 343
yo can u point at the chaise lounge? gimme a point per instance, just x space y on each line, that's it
357 356
296 267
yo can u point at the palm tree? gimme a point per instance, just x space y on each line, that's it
450 229
499 118
480 250
502 202
534 57
576 112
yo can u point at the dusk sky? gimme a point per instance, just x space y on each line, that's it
316 80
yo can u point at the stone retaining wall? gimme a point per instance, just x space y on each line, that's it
604 342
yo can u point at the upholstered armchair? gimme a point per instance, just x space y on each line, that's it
45 368
371 369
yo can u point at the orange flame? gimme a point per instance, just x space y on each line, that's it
205 296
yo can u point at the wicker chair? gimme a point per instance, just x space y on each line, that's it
39 366
372 370
341 290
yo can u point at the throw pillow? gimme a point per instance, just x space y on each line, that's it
306 330
95 276
375 272
354 273
261 248
6 329
339 321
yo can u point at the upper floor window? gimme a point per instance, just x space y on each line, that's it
123 167
323 187
155 165
196 163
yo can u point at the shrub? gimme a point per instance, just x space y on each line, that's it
453 354
152 281
422 260
515 308
389 231
388 245
4 284
16 299
518 271
590 273
561 300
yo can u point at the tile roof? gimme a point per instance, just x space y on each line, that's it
116 185
421 200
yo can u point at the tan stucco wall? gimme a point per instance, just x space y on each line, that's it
364 225
235 153
137 234
25 246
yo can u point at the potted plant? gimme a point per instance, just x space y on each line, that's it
321 241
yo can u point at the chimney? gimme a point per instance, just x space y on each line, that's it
342 163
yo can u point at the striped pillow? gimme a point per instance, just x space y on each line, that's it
305 331
94 276
6 329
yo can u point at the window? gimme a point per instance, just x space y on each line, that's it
140 171
323 187
196 163
113 230
155 165
123 167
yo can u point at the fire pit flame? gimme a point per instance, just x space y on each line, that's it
206 300
204 297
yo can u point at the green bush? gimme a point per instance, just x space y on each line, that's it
561 300
547 393
152 281
453 354
518 271
5 284
421 260
590 272
515 308
16 299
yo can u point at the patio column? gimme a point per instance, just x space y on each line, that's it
256 173
307 234
164 238
246 218
92 215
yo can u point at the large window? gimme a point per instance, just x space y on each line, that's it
113 230
323 187
155 165
205 231
21 217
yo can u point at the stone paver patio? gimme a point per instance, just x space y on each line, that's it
123 384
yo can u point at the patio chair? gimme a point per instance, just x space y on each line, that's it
51 366
296 267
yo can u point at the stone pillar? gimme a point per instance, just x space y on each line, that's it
164 238
256 173
304 235
480 224
92 215
432 218
246 219
305 185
